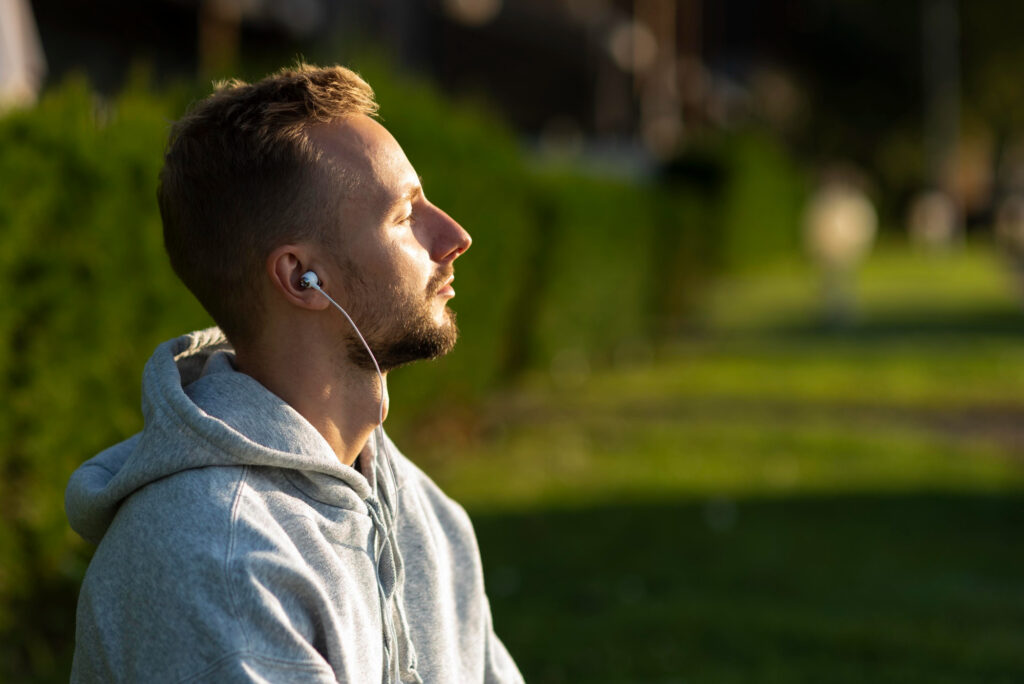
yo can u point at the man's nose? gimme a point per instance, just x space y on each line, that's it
449 239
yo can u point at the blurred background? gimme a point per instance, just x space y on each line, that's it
739 391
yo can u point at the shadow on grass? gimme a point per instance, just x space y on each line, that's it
865 588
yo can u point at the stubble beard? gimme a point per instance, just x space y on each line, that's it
415 338
399 328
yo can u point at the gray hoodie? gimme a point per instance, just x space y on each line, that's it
234 546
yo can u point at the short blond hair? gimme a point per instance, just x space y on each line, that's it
241 177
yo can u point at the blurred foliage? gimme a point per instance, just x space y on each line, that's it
87 294
562 260
764 199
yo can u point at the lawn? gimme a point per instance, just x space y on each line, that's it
769 499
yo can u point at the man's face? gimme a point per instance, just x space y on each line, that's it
393 264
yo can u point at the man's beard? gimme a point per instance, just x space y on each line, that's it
412 340
400 329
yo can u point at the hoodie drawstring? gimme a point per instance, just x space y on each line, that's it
399 657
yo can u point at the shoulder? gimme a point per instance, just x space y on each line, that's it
185 516
220 560
218 521
172 533
154 598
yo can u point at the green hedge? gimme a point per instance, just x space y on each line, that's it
87 293
561 261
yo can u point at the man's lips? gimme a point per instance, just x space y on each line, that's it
446 289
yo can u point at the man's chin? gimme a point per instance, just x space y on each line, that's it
420 344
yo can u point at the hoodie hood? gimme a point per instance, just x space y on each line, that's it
198 412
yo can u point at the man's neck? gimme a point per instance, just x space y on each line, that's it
339 399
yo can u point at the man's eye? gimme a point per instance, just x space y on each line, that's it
407 219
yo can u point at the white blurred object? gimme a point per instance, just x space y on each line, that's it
839 231
933 220
22 63
632 46
840 226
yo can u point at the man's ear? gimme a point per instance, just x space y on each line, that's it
285 266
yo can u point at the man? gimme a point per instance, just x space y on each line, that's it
258 528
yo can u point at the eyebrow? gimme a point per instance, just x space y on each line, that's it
409 195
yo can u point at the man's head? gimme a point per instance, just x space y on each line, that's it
291 173
393 266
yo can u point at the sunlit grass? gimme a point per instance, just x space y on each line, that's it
894 285
733 451
923 391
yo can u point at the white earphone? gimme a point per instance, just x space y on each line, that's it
309 279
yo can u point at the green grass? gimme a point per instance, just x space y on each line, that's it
772 500
897 290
